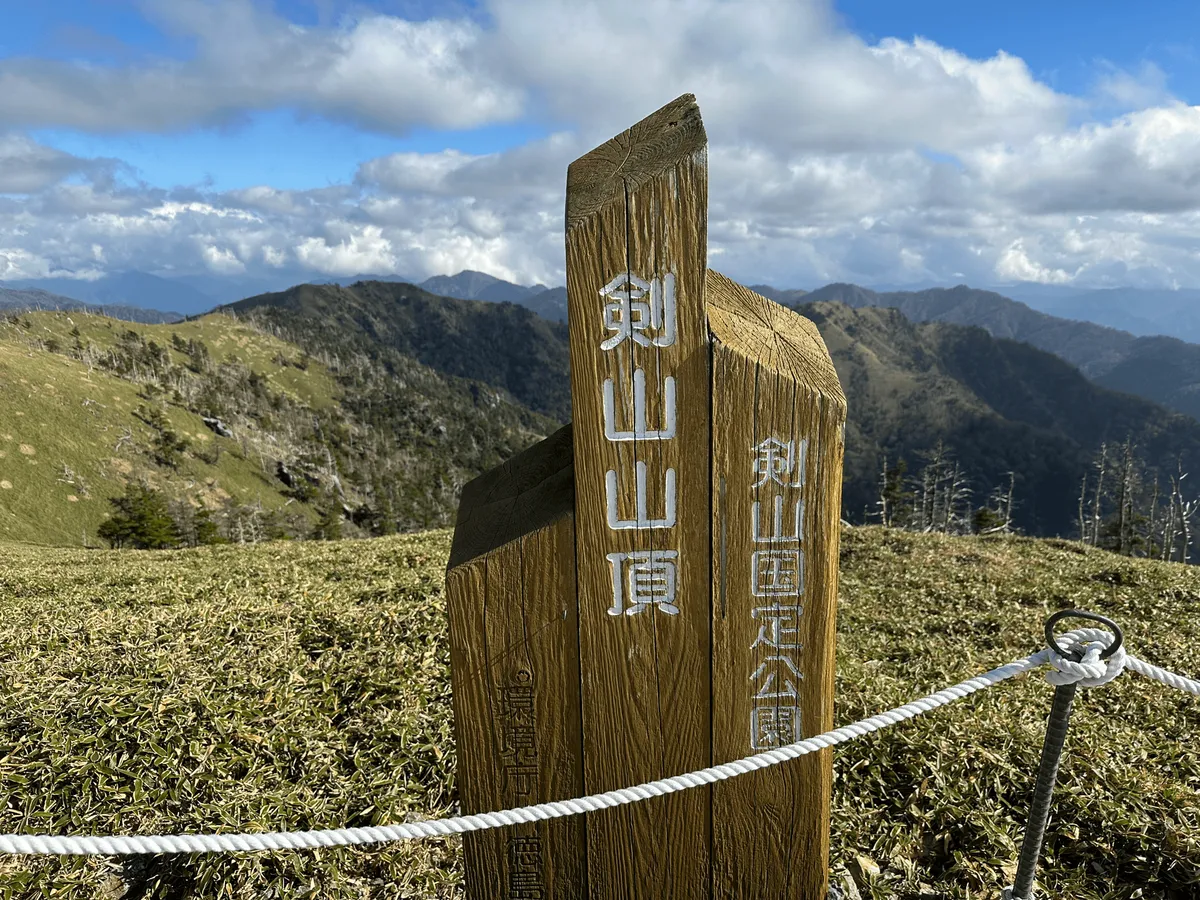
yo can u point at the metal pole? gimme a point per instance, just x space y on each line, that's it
1039 811
1052 747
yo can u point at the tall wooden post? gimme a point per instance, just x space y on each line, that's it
660 579
636 248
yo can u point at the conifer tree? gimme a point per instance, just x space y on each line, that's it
141 520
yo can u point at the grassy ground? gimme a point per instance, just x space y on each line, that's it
303 686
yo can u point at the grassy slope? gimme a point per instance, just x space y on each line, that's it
295 686
42 410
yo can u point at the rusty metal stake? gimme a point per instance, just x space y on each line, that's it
1052 747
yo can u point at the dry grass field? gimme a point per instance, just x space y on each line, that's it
292 686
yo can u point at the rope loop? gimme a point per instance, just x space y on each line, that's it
1091 671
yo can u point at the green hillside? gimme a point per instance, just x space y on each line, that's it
1162 369
85 400
291 686
384 400
501 344
62 444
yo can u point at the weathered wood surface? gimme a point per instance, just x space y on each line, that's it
660 576
510 593
778 418
637 209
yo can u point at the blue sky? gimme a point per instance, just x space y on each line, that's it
1067 44
871 140
245 151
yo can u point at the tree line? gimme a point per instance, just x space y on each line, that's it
144 518
1124 505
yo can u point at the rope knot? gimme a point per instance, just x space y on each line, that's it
1091 671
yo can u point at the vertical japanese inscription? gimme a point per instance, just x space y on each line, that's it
636 236
777 444
518 742
525 868
777 586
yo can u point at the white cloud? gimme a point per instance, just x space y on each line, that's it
830 158
27 166
377 70
222 260
1125 90
359 249
1014 264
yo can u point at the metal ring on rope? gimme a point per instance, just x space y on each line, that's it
1088 664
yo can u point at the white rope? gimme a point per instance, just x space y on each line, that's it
1091 671
338 837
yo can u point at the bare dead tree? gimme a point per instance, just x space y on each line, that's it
1001 503
1125 500
1150 524
958 503
1187 510
1008 502
1170 529
1186 514
1083 522
1101 466
882 503
931 495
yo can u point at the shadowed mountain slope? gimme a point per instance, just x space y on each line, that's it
502 344
1163 369
1000 405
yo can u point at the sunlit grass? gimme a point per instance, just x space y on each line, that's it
292 686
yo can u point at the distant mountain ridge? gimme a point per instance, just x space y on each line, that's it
1163 369
1144 312
506 346
1160 368
19 300
123 289
549 303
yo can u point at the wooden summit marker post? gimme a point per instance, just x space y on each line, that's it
659 579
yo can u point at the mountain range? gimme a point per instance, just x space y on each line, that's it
1001 404
1163 369
395 396
197 294
20 299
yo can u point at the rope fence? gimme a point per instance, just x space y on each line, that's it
1090 671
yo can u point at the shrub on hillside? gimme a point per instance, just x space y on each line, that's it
141 520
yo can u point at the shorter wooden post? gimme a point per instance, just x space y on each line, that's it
778 418
510 593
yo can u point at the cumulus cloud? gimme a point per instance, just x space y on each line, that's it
380 71
27 166
830 158
1147 161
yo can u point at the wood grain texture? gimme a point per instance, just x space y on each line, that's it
637 205
515 673
773 381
